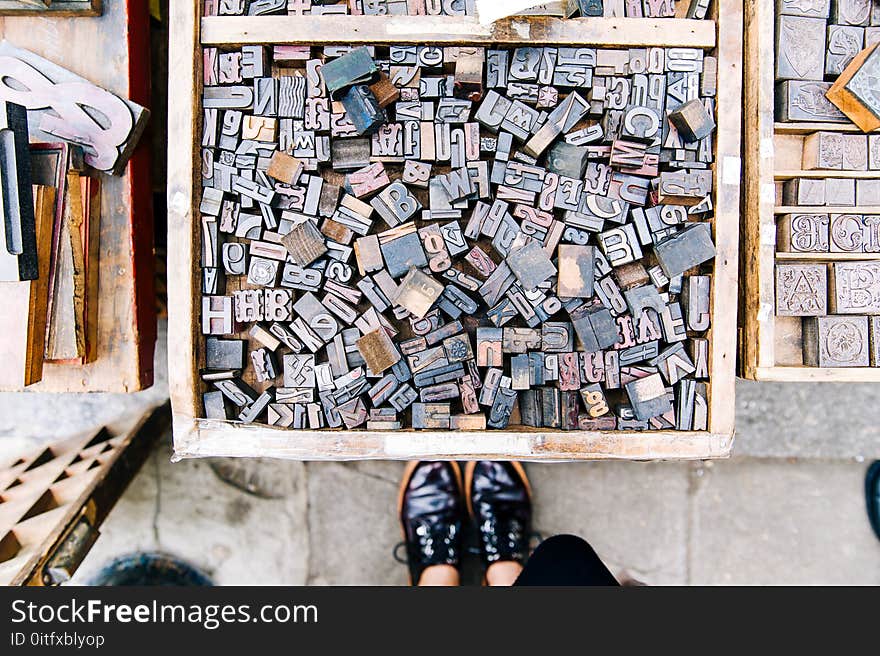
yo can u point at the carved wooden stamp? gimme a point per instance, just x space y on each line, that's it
800 48
836 342
803 233
801 290
855 288
804 100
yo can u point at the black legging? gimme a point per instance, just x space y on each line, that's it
565 560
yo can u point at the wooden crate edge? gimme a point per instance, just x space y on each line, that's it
201 438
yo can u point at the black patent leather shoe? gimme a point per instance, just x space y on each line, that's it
500 502
431 509
872 495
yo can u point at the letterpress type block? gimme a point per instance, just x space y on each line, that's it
855 288
836 342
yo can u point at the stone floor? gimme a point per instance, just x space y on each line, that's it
788 508
745 521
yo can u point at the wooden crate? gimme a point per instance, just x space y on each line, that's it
194 437
118 59
770 347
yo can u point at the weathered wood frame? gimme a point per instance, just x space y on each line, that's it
760 333
58 8
194 437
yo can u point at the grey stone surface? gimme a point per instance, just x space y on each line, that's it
184 509
744 521
781 522
633 514
353 523
807 420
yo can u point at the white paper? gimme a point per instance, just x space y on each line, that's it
768 235
732 168
490 11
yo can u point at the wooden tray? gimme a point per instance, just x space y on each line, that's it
194 437
770 347
117 58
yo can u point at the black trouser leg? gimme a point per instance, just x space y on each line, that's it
565 560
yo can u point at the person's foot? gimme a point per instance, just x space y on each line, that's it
430 508
872 495
500 503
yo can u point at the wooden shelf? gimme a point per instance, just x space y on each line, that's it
858 175
826 209
447 30
808 128
770 346
827 257
818 375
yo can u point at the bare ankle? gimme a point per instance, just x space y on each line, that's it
439 576
503 573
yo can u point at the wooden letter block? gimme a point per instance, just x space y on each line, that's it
804 191
804 100
285 168
874 152
620 245
594 399
840 192
418 292
855 288
847 233
851 12
648 397
684 250
499 416
800 48
868 192
811 9
801 290
692 121
673 364
875 341
856 92
489 352
595 326
217 315
803 233
64 106
378 351
844 44
695 298
305 243
576 271
836 342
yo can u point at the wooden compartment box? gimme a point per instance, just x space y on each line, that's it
719 36
800 183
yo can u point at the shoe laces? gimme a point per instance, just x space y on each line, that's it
433 538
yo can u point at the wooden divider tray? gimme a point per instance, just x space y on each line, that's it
204 307
807 177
